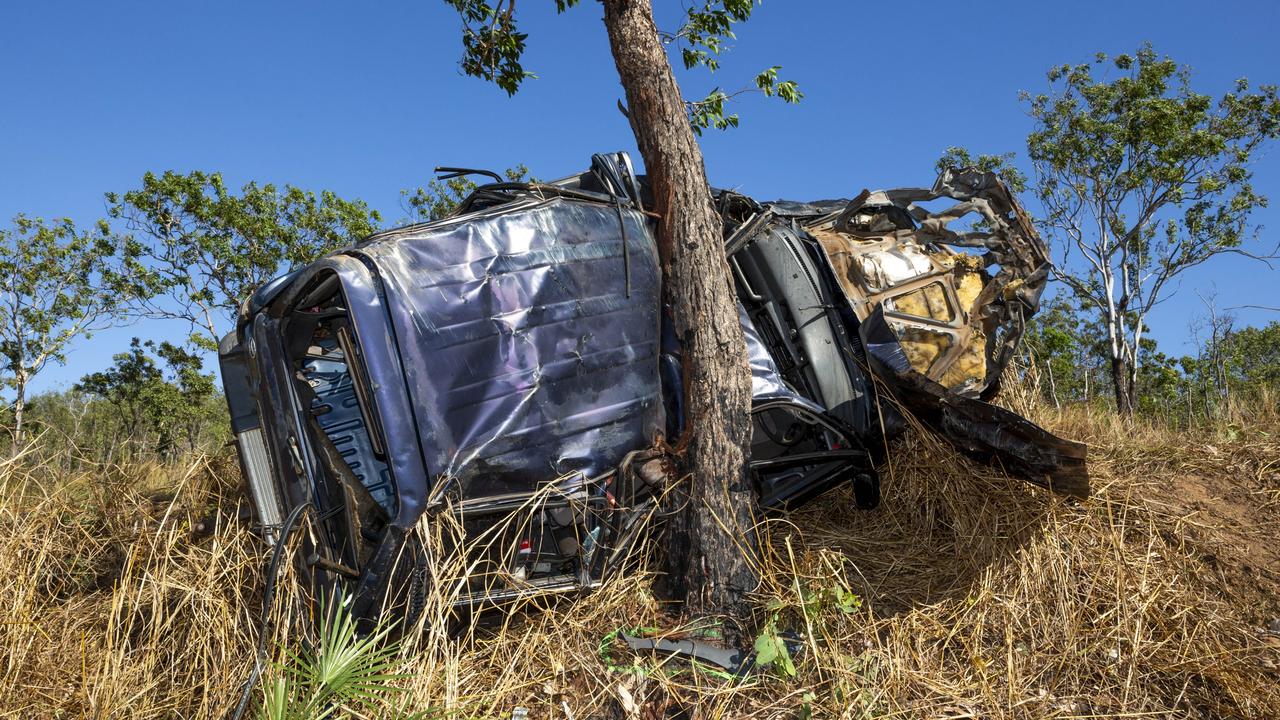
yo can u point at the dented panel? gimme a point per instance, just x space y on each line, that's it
525 354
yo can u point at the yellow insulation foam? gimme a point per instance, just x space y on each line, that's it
971 365
929 301
923 348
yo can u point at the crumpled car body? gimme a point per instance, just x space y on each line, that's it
935 310
489 387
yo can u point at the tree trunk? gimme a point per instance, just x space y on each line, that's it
1122 383
19 410
1087 372
711 545
1053 388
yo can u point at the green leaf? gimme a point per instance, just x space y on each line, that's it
771 650
211 247
767 647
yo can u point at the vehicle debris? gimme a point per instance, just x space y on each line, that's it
702 652
932 322
489 386
957 325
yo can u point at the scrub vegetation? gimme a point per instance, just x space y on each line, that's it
134 591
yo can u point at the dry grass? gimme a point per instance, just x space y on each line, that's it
134 592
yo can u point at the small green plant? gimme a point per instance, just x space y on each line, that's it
344 672
771 647
806 706
837 597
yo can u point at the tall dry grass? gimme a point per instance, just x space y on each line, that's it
133 592
130 591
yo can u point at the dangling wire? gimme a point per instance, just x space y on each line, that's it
273 569
626 256
605 169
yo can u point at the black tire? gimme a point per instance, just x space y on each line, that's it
866 490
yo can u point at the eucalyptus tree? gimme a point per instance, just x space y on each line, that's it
1142 178
710 561
171 402
57 284
125 386
211 247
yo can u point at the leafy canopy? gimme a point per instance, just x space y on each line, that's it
1253 356
170 402
58 283
212 247
493 47
1142 178
1141 173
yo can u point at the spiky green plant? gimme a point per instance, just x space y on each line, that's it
345 671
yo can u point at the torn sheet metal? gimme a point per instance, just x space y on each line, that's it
936 323
786 289
733 661
766 383
985 432
957 322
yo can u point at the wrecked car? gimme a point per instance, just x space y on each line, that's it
468 406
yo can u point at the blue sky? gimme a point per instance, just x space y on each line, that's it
365 98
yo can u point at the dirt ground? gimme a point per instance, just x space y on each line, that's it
1232 517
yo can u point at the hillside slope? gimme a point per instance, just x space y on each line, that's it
134 594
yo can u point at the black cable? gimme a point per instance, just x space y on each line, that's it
454 172
626 256
273 569
610 176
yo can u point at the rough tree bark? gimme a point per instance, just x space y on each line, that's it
711 545
1122 383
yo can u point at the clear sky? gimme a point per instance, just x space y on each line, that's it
365 98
